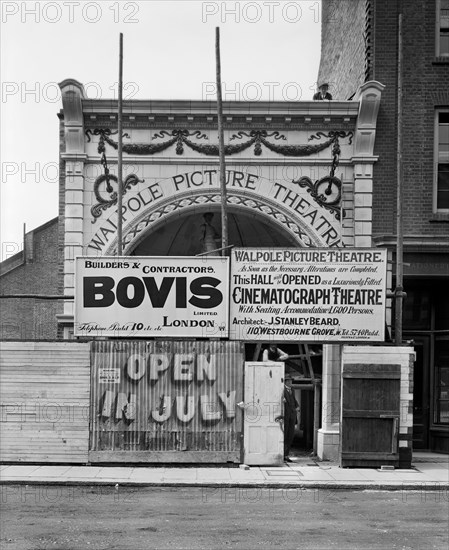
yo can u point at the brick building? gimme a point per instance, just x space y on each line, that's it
299 175
31 287
360 43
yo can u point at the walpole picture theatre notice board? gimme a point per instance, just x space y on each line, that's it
322 295
152 296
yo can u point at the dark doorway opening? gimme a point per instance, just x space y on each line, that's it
305 365
181 235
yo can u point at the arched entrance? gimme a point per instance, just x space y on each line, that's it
296 230
181 235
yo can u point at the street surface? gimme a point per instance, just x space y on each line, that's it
65 517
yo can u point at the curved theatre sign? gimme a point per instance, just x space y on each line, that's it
287 204
306 203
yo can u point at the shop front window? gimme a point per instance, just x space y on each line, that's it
441 404
417 309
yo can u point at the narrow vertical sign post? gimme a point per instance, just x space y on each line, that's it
221 148
119 151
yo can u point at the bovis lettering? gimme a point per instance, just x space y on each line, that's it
131 291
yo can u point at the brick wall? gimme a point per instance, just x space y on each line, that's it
32 318
425 83
385 71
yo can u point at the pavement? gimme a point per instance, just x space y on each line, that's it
430 471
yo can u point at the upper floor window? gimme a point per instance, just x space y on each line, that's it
443 28
442 161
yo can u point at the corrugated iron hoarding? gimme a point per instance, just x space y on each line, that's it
166 401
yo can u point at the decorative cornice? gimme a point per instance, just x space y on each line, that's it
75 157
181 137
253 109
364 159
238 115
162 123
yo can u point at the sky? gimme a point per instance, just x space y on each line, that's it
270 50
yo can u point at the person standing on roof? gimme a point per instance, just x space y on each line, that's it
322 93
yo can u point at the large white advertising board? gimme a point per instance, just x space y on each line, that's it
152 296
315 295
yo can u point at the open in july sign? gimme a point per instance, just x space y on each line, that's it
317 295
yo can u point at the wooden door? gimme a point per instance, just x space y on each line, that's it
263 436
370 415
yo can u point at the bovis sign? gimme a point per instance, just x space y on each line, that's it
152 296
321 295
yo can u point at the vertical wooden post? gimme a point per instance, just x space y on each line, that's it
222 166
24 252
119 152
399 294
316 413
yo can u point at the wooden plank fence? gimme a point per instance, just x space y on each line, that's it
44 402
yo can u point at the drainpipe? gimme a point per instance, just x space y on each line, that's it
399 291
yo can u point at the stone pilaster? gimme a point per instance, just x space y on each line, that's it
74 156
328 440
368 95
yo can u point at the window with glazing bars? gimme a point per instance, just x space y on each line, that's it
442 161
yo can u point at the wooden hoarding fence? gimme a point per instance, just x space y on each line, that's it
44 394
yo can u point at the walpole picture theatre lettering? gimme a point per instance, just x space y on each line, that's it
317 295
